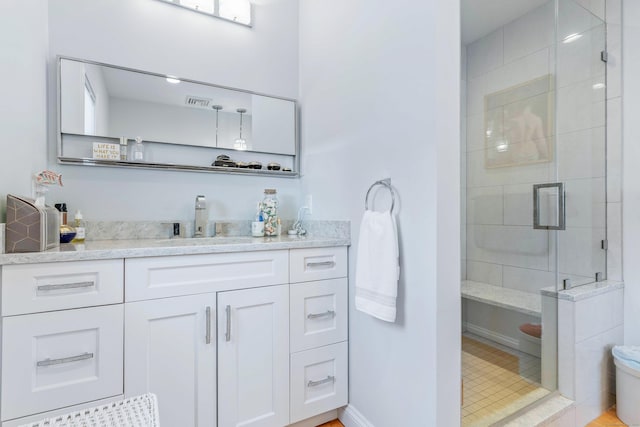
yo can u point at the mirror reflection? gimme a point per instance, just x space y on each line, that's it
108 101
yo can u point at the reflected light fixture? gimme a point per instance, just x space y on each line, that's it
571 38
598 86
502 146
240 143
173 80
217 108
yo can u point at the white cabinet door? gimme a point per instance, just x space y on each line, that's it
170 351
253 357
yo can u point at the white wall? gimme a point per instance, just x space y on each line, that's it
380 96
96 80
23 101
153 35
631 171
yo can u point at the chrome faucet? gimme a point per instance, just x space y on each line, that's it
200 229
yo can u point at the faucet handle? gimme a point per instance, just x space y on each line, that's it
175 226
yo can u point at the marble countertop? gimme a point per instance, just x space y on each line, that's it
584 291
110 249
512 299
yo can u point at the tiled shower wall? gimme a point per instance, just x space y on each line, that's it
500 239
501 246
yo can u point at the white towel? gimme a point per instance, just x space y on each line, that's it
377 266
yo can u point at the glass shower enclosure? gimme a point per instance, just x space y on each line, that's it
534 196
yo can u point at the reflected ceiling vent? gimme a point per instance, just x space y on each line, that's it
197 102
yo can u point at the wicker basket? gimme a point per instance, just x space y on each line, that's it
138 411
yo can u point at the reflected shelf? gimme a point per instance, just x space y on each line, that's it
175 167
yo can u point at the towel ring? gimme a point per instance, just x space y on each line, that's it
385 183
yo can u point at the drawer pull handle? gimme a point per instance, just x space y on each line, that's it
51 362
227 335
328 313
321 264
207 338
65 286
329 379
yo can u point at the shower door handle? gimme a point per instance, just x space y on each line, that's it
561 223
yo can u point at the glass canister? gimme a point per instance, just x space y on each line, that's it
270 212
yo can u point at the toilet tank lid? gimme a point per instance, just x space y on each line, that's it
628 355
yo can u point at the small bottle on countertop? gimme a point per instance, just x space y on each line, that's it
257 226
67 233
80 230
124 155
138 150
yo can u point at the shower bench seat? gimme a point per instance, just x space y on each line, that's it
511 299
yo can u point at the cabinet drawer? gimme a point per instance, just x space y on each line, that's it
58 359
318 312
33 288
318 381
163 277
318 264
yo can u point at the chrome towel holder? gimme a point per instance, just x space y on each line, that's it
385 183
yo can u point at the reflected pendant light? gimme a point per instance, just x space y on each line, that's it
217 108
240 143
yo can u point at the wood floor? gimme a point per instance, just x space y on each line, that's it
608 419
334 423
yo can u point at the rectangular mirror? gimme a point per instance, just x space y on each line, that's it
106 101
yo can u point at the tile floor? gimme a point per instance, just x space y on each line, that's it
608 419
498 381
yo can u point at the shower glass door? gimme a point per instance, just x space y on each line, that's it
581 255
535 197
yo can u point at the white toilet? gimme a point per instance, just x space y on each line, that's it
627 361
